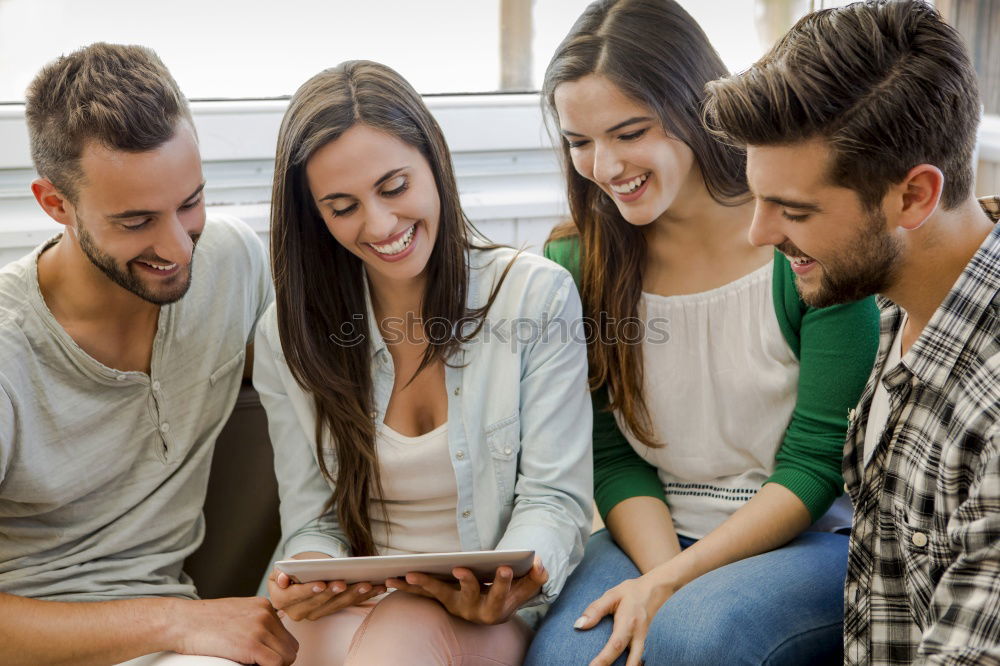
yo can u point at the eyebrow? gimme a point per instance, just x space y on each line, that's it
797 205
386 176
624 123
142 213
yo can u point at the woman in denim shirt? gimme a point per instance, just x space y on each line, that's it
425 391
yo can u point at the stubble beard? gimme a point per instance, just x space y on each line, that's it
125 278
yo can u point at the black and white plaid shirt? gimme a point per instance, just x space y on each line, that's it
923 577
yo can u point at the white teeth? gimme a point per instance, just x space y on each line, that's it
168 267
801 262
630 186
396 246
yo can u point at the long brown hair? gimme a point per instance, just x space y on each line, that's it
319 285
657 55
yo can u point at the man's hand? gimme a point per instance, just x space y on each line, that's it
245 630
471 601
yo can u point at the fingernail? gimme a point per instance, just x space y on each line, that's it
364 589
317 588
281 613
580 621
338 588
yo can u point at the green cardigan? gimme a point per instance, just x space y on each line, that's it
836 349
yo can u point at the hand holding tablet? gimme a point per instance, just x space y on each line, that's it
482 563
470 600
310 588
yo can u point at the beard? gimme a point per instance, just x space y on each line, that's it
867 266
126 278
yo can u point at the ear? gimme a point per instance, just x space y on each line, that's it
919 195
52 201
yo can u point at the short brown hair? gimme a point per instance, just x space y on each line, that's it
120 96
887 83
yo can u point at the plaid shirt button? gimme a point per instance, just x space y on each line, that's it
895 612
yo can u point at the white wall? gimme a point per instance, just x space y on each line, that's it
508 175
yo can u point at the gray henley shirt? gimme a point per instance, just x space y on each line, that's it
103 473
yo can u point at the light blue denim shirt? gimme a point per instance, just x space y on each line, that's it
519 422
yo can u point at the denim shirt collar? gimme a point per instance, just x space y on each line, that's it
474 259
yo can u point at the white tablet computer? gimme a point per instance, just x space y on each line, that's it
482 563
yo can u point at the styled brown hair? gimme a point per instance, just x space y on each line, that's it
657 55
320 285
120 96
888 85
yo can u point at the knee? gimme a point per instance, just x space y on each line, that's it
425 622
557 642
709 634
737 633
416 614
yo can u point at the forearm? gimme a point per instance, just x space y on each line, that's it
772 518
643 528
82 633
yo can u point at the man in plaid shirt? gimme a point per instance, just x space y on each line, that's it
860 128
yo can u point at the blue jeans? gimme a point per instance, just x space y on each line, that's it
781 607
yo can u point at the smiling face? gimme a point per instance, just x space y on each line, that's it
138 215
620 145
377 196
840 251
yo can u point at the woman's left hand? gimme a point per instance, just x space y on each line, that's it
634 603
473 602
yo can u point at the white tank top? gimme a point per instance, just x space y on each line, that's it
419 492
720 390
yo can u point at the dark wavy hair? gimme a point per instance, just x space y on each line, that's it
319 284
888 85
657 55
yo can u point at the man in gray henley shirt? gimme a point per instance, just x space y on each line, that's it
121 355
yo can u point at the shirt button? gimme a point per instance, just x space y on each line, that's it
508 451
919 539
846 489
466 514
458 390
460 455
164 427
156 386
374 415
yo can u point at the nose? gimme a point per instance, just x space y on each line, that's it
764 229
607 163
380 222
174 243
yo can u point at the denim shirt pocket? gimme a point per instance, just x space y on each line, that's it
504 441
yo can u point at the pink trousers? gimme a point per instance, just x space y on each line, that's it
402 628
